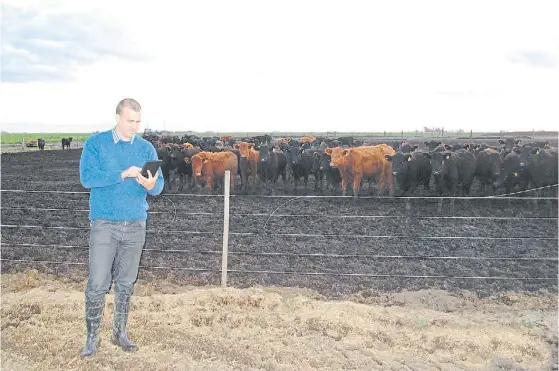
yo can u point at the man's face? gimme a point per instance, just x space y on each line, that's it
128 123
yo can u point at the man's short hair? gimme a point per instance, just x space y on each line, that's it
130 103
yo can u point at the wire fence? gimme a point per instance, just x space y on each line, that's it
263 232
507 195
307 215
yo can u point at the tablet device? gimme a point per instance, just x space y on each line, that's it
152 166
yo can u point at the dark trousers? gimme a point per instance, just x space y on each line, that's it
115 249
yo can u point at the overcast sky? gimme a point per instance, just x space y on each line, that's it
281 65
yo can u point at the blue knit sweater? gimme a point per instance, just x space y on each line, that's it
101 164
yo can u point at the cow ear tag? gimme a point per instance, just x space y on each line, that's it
447 156
515 174
537 151
205 160
409 158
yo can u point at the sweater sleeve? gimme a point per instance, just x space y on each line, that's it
91 173
160 182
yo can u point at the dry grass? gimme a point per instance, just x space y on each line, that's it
193 328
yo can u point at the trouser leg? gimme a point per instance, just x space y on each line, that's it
125 273
102 250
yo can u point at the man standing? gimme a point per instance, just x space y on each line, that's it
110 165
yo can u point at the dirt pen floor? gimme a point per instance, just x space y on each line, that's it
195 328
322 283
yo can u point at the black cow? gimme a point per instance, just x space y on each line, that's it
41 143
164 154
271 164
300 162
511 174
66 142
542 167
508 144
488 168
409 169
323 170
452 171
180 160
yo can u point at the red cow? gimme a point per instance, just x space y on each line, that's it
212 165
358 162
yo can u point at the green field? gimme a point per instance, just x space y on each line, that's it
15 138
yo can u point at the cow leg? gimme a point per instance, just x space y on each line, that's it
181 185
411 187
284 179
390 181
306 178
166 178
426 185
254 180
453 189
231 182
344 186
382 181
356 185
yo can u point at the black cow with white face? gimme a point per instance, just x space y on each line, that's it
452 171
488 168
410 169
508 144
271 164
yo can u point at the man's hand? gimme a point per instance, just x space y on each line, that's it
131 172
148 182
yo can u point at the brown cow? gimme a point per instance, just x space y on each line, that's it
358 162
307 139
248 162
211 166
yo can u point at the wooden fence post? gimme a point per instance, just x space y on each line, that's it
226 185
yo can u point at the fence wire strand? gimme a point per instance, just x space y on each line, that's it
323 196
315 255
217 233
371 275
322 216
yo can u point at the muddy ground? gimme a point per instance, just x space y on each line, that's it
325 244
269 328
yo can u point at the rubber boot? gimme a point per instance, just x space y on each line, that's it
120 337
93 318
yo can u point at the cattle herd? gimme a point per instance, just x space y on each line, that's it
394 168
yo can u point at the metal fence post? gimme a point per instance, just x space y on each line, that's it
226 185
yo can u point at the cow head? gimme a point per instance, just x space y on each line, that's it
264 152
338 156
400 162
244 148
525 154
438 161
296 154
433 144
198 161
511 169
508 144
